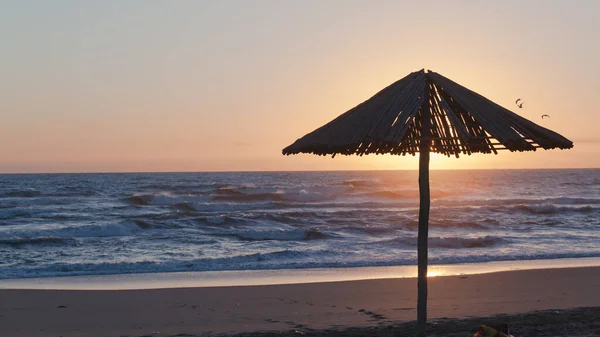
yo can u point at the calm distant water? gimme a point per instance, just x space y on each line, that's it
80 224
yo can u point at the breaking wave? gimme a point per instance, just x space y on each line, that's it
44 240
552 209
450 242
282 235
27 193
125 228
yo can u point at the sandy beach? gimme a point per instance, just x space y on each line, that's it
303 308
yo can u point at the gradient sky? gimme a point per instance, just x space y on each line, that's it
225 85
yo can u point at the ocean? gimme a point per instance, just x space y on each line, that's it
128 223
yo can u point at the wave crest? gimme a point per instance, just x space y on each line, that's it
44 240
281 235
451 242
26 193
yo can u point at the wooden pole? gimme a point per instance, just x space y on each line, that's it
423 214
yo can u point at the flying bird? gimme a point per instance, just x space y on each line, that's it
545 116
520 105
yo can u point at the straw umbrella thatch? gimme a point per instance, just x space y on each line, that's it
426 112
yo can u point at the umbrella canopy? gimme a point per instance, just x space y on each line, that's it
462 121
426 112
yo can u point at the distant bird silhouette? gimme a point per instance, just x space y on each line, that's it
520 105
545 116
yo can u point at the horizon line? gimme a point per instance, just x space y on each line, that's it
299 171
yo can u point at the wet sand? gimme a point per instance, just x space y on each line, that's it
379 306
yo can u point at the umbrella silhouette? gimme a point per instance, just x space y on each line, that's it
426 112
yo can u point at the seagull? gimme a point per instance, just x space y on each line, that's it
545 116
520 105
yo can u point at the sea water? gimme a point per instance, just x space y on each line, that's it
101 224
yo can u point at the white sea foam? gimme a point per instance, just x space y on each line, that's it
124 228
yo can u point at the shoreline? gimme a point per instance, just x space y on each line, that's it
280 276
282 308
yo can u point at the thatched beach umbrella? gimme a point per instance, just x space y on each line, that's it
426 112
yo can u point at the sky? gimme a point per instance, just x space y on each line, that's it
122 86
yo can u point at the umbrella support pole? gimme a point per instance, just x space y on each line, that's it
424 203
422 242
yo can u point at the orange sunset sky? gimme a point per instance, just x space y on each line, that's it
111 86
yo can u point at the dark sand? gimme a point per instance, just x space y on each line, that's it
371 305
581 322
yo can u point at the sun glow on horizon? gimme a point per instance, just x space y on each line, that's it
437 161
